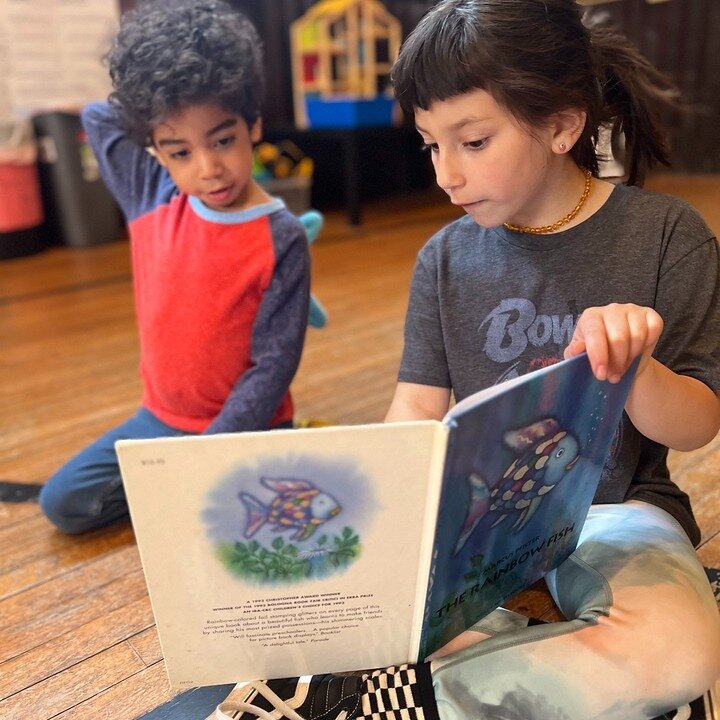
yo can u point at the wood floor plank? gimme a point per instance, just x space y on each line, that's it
61 556
76 646
56 270
22 638
83 681
127 700
22 544
709 552
16 513
49 610
147 645
705 496
83 376
535 602
681 462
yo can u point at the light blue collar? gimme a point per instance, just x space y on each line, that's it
236 216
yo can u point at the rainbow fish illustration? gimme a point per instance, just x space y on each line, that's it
545 455
298 504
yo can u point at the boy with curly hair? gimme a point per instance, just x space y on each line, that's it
221 269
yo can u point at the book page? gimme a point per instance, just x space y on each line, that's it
490 392
282 553
522 466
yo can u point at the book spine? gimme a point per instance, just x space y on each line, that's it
427 540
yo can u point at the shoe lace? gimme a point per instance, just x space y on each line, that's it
222 712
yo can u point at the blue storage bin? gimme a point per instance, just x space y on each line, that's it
349 113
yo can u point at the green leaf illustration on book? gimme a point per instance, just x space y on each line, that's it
284 562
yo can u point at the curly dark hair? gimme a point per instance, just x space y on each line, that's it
170 54
539 57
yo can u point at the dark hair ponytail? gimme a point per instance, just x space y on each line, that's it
537 58
635 94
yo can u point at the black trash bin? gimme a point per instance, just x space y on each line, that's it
81 211
21 209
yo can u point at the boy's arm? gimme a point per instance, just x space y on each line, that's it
135 179
418 402
277 341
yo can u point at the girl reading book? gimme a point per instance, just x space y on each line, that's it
509 97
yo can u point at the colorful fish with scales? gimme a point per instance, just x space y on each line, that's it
545 455
297 505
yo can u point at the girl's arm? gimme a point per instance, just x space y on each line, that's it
418 402
674 410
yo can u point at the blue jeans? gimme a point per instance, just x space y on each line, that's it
87 492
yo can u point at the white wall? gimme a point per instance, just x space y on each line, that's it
50 53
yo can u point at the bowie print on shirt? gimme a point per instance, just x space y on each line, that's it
514 325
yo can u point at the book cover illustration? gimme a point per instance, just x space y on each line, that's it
520 474
306 523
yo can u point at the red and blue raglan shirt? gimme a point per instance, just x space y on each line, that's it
221 297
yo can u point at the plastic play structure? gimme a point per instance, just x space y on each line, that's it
342 52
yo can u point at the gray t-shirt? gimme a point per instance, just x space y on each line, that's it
489 304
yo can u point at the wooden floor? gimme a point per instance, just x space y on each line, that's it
77 638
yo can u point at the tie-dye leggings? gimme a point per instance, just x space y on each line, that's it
642 635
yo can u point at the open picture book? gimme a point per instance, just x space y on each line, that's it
294 552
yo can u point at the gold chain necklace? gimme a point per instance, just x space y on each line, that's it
558 224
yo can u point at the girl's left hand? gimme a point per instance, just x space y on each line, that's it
613 336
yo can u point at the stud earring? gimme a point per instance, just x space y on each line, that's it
562 147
